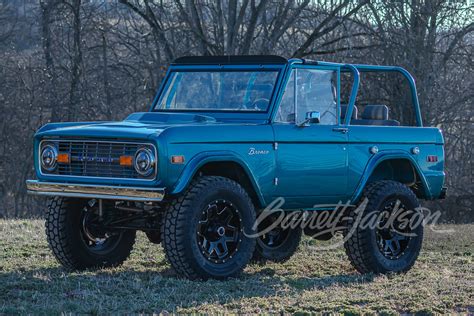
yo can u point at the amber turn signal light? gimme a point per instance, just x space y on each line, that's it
177 159
126 161
63 158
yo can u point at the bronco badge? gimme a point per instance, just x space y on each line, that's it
253 151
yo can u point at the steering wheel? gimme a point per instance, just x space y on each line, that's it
260 104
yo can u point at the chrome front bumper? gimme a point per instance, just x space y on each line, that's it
95 191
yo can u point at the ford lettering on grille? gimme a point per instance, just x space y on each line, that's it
96 159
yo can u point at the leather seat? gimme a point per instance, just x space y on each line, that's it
375 114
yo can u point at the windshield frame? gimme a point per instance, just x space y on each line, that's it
257 114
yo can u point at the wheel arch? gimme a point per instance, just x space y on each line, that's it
387 166
225 164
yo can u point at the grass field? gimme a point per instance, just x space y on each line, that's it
312 281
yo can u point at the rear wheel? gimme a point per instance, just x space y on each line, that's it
77 239
394 242
204 229
278 244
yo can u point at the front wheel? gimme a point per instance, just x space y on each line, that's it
77 239
385 234
205 229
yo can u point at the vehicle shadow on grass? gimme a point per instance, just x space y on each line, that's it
157 289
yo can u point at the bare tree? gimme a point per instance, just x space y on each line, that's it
245 27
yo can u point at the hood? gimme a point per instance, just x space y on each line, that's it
136 126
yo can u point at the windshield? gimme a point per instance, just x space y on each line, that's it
218 90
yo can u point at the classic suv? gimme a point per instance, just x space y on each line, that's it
225 137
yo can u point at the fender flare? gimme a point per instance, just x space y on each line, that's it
381 157
203 158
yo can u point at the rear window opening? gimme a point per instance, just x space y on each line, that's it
383 99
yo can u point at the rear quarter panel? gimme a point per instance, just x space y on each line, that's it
393 142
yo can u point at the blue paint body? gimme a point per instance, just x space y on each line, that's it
314 164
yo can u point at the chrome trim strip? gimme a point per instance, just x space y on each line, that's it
95 191
96 141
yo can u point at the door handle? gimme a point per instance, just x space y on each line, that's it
343 130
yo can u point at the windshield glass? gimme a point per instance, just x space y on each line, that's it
218 90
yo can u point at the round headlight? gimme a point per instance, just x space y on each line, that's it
144 161
49 157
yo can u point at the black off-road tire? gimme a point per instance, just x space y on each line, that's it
361 244
182 218
63 230
280 253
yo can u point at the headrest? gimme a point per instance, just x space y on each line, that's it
344 111
375 112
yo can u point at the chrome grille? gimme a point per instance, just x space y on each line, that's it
98 159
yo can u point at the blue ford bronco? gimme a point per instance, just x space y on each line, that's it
224 138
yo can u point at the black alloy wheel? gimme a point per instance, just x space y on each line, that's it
219 231
96 238
207 230
79 241
393 244
392 238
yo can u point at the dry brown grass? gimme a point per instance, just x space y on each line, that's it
31 281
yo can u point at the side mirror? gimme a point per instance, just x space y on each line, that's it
312 117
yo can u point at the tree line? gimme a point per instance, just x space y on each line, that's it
70 60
